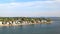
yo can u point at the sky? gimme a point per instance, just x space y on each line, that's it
29 8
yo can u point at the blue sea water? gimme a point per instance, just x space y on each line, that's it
53 28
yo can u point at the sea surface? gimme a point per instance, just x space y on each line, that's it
53 28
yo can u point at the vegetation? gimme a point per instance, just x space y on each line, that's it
20 20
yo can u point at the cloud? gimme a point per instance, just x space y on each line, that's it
33 8
57 0
28 4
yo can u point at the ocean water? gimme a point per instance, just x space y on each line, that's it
53 28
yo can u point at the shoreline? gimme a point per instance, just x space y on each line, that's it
16 24
23 24
16 21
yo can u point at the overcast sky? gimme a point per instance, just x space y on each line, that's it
30 8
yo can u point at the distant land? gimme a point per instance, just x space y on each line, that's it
52 18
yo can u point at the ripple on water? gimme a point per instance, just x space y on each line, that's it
53 28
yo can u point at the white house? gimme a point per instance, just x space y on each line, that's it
0 23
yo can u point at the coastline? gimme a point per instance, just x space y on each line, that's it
16 24
16 21
23 24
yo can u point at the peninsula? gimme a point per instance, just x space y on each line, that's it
5 21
